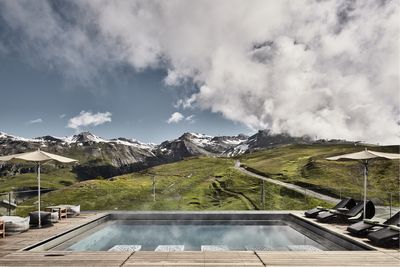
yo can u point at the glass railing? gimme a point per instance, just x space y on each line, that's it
211 197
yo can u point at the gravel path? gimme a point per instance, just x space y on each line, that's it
381 211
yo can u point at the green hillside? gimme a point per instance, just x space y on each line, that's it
208 183
306 165
192 184
51 178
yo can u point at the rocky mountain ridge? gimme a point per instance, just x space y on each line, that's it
109 157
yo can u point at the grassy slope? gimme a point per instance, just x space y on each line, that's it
50 178
306 165
192 184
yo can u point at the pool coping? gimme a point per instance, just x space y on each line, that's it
304 222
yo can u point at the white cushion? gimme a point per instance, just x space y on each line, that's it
394 227
54 217
72 210
15 224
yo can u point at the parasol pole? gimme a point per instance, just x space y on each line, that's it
365 187
39 194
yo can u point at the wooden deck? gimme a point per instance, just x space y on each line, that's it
11 254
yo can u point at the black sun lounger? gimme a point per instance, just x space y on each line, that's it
386 237
363 227
347 203
344 214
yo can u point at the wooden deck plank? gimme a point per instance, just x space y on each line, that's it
26 258
329 258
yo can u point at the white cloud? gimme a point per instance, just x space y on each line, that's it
175 118
190 118
39 120
87 118
326 68
62 116
185 103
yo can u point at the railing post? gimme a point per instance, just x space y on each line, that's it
9 203
263 194
154 188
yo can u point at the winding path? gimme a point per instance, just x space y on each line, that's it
293 187
381 211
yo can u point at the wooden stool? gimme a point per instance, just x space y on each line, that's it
2 229
62 212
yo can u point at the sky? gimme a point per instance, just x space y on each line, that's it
152 70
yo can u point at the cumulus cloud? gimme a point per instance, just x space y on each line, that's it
87 118
175 118
39 120
326 68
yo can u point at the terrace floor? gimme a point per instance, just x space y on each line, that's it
11 254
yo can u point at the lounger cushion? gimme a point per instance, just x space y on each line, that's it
385 237
343 209
312 213
325 216
369 221
360 228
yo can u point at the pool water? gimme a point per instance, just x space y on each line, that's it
192 236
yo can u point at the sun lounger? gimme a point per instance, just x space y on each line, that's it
214 248
386 237
344 203
126 248
363 227
170 248
347 215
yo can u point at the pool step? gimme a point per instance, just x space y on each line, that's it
214 248
303 248
170 248
126 248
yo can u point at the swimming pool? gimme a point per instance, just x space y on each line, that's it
198 231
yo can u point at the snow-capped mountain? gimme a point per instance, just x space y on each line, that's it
109 157
265 139
87 138
97 156
195 144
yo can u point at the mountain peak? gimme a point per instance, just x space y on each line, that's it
84 137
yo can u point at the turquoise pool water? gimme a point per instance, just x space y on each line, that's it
191 237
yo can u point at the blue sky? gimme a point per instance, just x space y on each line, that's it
37 102
124 68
